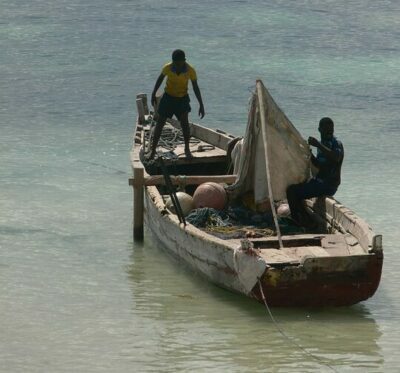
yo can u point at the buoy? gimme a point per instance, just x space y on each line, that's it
185 200
210 195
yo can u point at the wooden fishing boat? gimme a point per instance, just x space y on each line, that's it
338 264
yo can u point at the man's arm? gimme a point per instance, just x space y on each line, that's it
156 86
331 154
197 92
314 161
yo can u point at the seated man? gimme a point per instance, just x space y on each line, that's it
329 160
175 100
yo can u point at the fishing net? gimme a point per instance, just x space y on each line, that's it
239 222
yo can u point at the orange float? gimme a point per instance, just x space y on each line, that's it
210 195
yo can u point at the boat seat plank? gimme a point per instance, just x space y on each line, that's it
300 253
335 245
276 256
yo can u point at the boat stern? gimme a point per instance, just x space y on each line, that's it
322 281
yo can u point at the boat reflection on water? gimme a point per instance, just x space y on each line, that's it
196 325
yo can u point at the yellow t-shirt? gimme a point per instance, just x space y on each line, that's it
177 85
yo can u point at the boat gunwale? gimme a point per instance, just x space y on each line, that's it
235 243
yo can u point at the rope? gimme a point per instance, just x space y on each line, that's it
248 231
117 170
280 330
170 137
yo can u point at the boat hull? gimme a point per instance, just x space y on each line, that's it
325 281
339 266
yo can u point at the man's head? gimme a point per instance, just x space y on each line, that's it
325 128
178 57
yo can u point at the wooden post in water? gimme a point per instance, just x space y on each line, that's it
138 202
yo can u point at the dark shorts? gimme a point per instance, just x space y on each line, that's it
170 106
312 188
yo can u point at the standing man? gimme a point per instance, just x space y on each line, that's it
329 160
175 100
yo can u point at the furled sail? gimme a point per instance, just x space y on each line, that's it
286 152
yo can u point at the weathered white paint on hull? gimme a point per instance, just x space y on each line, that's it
223 264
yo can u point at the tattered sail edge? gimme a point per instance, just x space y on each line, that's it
288 153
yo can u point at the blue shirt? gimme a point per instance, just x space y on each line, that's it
329 170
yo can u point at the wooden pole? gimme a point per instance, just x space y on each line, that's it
140 110
187 180
138 203
265 140
143 96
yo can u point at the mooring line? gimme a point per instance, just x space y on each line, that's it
103 166
281 331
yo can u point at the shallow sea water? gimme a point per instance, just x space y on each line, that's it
76 294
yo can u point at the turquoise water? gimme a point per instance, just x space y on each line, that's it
75 293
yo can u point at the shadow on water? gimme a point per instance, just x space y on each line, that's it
167 292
